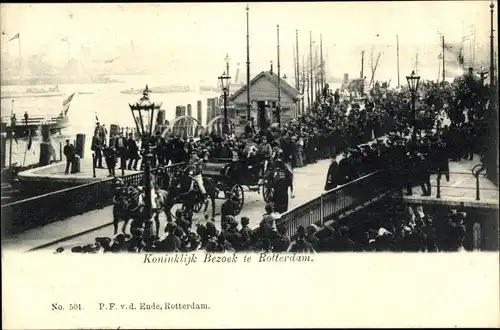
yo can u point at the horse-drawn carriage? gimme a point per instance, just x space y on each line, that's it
231 175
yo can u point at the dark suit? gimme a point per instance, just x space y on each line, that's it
97 148
69 152
332 177
110 156
133 154
121 151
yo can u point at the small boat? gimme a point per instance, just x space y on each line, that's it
209 89
134 91
86 93
171 89
22 128
33 92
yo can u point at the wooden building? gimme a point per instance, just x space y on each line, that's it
264 99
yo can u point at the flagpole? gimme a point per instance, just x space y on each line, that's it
27 145
12 127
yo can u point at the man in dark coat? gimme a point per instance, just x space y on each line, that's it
110 157
246 232
301 245
69 153
228 208
96 147
282 182
424 175
250 128
121 150
281 241
332 176
133 153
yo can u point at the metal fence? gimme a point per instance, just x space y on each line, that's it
336 202
44 209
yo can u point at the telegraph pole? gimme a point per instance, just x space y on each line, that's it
311 85
492 162
322 81
492 47
416 64
278 106
397 54
444 73
249 105
297 57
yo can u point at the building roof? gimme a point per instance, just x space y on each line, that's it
273 77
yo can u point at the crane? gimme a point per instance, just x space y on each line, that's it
374 69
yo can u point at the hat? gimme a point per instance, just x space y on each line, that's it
245 221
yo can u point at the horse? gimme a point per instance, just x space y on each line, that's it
184 190
132 206
120 209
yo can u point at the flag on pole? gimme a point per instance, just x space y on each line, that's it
14 37
64 39
66 103
30 140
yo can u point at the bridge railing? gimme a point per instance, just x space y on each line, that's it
47 208
337 201
466 187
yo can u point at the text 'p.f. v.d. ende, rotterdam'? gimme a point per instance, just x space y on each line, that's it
192 258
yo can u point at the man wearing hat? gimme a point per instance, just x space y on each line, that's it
121 150
301 245
228 208
110 158
96 147
69 153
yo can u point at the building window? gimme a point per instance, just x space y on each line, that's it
273 104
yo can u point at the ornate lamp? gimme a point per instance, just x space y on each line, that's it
144 112
224 81
413 81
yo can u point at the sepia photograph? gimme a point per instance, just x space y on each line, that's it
187 133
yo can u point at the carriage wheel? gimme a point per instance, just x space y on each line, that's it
268 193
238 196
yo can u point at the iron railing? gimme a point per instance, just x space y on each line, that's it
333 203
441 184
47 208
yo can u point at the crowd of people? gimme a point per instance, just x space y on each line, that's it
390 227
330 128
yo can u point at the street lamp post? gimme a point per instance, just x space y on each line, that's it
413 81
143 112
224 81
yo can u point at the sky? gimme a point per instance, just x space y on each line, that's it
194 38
